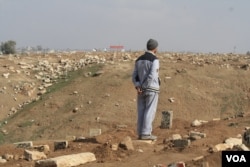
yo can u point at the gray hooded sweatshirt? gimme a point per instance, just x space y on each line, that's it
146 72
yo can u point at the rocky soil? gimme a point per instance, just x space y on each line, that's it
63 96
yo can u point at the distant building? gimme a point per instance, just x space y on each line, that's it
116 48
51 51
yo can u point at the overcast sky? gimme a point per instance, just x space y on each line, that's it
178 25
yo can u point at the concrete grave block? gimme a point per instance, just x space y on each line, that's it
121 126
114 147
70 138
177 164
195 137
80 139
181 143
167 117
246 138
61 145
25 144
194 133
222 147
67 160
234 141
196 123
176 137
34 155
216 119
95 132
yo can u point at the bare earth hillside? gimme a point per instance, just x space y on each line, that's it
51 97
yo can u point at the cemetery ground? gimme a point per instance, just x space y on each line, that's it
46 98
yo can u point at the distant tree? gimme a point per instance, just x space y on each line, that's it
8 47
39 48
248 53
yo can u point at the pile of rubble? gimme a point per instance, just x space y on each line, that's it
41 152
42 72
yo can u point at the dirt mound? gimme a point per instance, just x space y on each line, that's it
104 153
95 91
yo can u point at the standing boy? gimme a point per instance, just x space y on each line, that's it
146 81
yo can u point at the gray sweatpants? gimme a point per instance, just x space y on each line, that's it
146 106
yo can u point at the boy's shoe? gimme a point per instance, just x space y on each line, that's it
148 137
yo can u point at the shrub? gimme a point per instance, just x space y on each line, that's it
8 47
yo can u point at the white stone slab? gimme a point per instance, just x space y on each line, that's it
67 160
